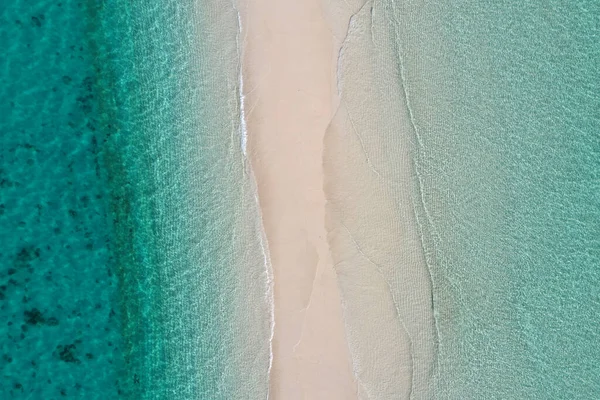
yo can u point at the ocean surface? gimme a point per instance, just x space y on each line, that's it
504 99
131 257
130 262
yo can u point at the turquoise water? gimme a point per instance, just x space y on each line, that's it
122 203
505 101
61 319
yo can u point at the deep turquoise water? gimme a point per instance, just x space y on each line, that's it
505 98
60 310
120 205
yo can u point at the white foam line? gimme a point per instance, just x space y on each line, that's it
242 96
264 244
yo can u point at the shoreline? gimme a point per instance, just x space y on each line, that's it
290 97
329 144
370 185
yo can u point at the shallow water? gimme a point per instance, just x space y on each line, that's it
498 105
505 103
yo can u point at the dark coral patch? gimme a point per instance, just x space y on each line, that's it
26 255
66 353
34 317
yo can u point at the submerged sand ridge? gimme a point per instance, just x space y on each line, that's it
323 269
